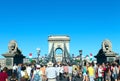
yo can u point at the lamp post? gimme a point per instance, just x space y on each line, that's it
38 53
80 52
72 56
73 59
45 56
45 60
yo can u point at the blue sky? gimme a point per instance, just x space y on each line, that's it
87 22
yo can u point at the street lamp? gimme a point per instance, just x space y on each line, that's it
45 58
72 56
38 53
80 52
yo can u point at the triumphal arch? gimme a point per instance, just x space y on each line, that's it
58 49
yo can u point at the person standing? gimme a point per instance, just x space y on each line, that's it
115 71
91 72
43 68
70 72
85 75
58 72
51 72
37 74
15 69
100 71
28 69
19 71
4 75
61 71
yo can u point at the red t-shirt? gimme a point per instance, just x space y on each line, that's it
3 76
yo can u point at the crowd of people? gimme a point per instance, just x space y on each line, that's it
62 72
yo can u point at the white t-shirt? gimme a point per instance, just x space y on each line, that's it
51 72
99 72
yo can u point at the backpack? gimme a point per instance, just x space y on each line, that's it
26 75
36 76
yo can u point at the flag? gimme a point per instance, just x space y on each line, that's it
91 57
30 57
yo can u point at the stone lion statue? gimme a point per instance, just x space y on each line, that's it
106 46
12 46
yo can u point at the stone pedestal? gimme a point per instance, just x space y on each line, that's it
105 57
9 62
12 59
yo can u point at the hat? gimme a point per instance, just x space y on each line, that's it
38 66
50 64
